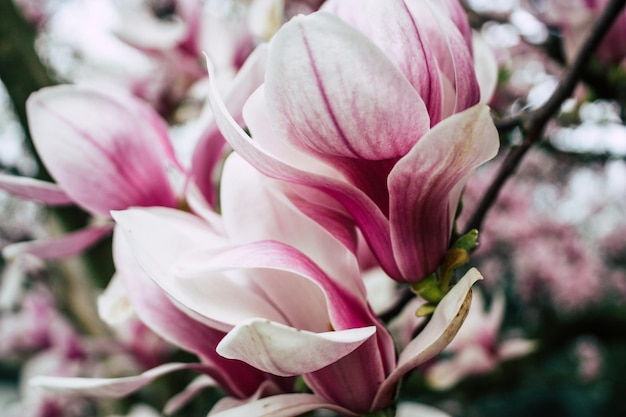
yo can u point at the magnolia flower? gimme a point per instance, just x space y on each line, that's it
391 137
277 287
286 296
106 152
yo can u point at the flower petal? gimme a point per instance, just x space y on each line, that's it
452 49
159 238
32 189
323 87
209 150
244 187
425 187
158 312
108 152
285 351
345 309
59 247
390 25
354 380
440 330
108 387
285 405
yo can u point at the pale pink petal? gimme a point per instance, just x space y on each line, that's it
327 212
364 211
452 50
108 152
207 155
390 25
114 307
285 405
440 330
274 294
210 148
158 312
108 387
159 238
189 392
266 389
244 187
445 373
345 309
425 185
514 348
266 136
200 206
59 247
286 351
458 15
155 309
36 190
323 86
316 204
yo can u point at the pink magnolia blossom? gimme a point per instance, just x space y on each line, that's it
106 151
37 326
311 280
391 137
278 297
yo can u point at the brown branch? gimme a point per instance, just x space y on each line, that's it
534 123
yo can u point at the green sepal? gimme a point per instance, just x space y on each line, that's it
429 289
301 386
468 241
426 309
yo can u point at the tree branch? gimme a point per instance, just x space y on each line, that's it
534 123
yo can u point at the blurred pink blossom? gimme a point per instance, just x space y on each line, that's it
478 348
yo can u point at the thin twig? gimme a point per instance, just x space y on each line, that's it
535 122
509 123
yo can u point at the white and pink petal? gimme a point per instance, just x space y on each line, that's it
425 187
323 87
43 192
287 351
107 151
